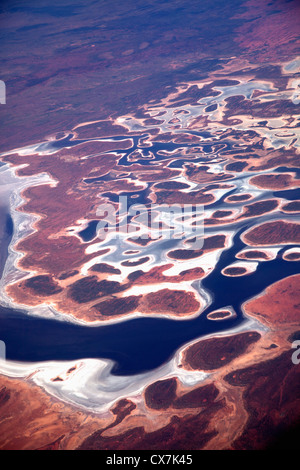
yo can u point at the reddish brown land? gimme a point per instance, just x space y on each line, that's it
273 233
274 181
235 271
227 417
280 303
214 353
292 256
254 254
291 206
174 302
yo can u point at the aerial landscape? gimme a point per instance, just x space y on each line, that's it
149 225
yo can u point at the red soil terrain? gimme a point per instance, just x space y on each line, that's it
209 244
293 206
214 353
279 305
165 301
254 254
250 210
273 233
292 256
238 198
254 377
175 302
234 271
275 181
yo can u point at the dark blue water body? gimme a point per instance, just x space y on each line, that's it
89 232
9 226
141 344
285 169
124 161
179 162
289 194
155 148
207 148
